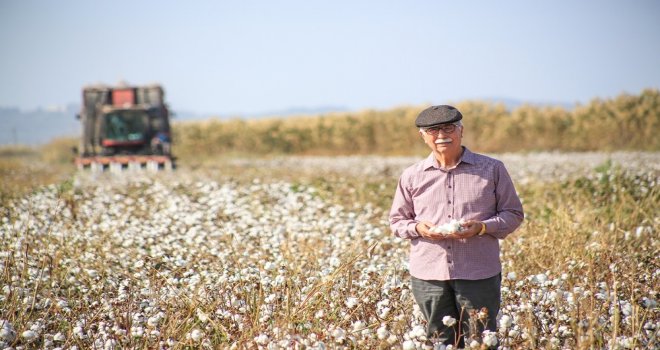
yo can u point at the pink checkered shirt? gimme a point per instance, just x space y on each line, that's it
478 188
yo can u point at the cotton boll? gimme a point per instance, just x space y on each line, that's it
351 302
79 333
59 337
408 345
29 335
489 338
339 335
626 308
382 332
540 279
358 325
506 321
110 344
450 227
261 339
202 316
7 332
137 332
153 321
649 303
418 332
448 321
384 312
195 335
392 339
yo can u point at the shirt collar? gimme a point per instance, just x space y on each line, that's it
467 157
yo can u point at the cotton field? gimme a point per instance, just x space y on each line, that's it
296 253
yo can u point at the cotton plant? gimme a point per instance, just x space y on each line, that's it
118 263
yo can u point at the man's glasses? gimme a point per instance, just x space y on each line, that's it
446 128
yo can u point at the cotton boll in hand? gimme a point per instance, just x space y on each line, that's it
450 227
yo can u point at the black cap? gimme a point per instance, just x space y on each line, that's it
436 115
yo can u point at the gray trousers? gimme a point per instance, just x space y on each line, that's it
462 300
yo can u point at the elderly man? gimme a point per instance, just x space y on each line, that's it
454 206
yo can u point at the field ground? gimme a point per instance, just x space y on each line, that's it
295 252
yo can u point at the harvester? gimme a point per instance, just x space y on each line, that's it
124 128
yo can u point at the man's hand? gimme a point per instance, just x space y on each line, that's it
470 228
424 230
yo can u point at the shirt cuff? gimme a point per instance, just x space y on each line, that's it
493 228
412 231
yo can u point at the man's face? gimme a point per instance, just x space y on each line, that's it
443 138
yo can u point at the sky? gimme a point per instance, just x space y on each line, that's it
245 57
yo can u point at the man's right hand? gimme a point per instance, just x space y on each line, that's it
424 230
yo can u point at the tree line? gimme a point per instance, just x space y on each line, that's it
626 122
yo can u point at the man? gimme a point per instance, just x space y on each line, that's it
455 273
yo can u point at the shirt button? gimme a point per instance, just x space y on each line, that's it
449 202
449 186
449 247
449 261
448 216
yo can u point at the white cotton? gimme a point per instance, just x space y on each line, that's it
418 332
137 332
351 302
79 332
540 278
59 337
110 344
261 339
29 335
408 345
359 325
339 335
7 332
153 321
196 335
269 266
450 227
506 321
382 332
448 321
489 338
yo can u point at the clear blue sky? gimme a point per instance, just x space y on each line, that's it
242 57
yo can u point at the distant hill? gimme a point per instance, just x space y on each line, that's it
38 126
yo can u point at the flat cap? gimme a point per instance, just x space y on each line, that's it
436 115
